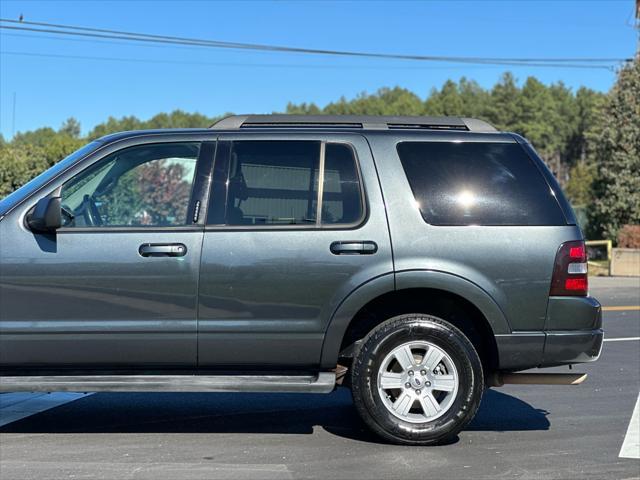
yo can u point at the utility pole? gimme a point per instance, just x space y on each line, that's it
13 117
638 28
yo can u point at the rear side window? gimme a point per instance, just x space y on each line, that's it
342 196
273 183
478 184
277 183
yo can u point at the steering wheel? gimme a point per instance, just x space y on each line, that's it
68 215
90 211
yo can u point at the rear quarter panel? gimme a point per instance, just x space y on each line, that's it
512 264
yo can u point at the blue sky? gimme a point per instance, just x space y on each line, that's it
49 89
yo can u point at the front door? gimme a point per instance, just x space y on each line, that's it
116 286
295 223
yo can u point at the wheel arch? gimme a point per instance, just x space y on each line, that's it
427 284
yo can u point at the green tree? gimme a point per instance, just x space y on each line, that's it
589 105
386 101
537 116
616 192
303 109
175 119
475 99
18 165
504 108
54 146
36 138
446 102
113 125
563 126
70 127
61 146
580 184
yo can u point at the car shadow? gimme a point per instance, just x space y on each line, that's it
247 413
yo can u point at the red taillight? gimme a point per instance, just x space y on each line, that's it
570 270
576 284
577 252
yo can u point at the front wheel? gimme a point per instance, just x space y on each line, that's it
417 380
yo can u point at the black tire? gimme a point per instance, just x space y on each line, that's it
393 333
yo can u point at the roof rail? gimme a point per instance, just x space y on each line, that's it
365 122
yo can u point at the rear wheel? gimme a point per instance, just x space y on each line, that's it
417 380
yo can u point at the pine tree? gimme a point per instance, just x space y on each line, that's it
616 188
70 127
504 105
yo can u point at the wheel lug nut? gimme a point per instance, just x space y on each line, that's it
428 384
407 385
417 392
410 372
423 372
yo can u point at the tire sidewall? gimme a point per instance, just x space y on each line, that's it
404 329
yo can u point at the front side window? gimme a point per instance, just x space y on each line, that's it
145 185
276 183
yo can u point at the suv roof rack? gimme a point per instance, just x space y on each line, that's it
365 122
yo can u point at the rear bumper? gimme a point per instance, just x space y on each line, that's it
562 348
573 334
573 313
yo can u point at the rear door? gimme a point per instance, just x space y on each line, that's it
116 287
280 253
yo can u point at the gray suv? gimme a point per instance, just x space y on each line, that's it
416 260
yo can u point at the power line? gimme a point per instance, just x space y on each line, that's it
466 60
180 47
273 65
74 30
88 40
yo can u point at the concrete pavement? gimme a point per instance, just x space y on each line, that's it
520 431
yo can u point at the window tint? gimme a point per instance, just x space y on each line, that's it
273 183
478 184
147 185
341 195
276 183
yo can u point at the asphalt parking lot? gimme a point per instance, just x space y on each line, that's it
520 431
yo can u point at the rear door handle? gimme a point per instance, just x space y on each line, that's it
354 248
162 250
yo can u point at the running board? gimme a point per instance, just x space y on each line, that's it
322 383
500 379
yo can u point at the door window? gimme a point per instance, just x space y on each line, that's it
276 183
342 194
145 185
273 183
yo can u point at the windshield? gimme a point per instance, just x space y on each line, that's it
12 199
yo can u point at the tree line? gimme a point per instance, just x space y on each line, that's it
590 140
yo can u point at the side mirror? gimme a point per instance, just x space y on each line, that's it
46 216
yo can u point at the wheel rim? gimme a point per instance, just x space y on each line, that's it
418 382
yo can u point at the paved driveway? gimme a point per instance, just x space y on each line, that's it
520 431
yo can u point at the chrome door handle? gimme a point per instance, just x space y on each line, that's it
162 250
354 248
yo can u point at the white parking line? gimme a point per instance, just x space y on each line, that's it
623 339
631 445
16 406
